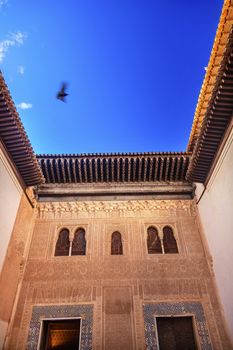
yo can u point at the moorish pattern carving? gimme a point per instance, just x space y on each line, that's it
70 209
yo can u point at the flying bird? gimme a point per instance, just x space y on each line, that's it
61 95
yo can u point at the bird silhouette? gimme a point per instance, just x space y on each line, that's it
61 95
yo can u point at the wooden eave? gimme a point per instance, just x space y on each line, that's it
217 118
114 168
214 115
216 62
15 139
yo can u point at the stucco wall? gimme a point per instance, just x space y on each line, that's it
10 194
216 212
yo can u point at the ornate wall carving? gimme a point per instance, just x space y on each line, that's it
55 210
94 277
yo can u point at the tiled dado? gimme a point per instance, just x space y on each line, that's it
85 312
195 309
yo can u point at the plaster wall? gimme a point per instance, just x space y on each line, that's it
216 212
10 195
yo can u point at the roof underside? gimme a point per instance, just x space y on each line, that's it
217 117
217 57
15 139
215 103
137 167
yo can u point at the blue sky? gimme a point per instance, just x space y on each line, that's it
134 69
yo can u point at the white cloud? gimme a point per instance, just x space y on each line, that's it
24 105
14 39
21 69
2 3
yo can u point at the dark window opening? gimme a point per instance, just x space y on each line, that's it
116 244
63 243
176 333
169 241
79 243
153 241
60 335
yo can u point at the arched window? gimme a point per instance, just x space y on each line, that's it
169 241
116 244
63 243
79 243
153 241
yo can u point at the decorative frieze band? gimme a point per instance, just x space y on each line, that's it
123 208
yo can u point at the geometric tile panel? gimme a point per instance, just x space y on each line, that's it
195 309
85 312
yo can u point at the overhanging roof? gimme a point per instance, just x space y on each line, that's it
215 104
131 167
15 139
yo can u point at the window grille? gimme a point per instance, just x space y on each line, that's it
116 244
153 241
169 241
63 243
79 243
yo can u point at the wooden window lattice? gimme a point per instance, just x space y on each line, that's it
169 241
116 244
153 241
63 243
79 243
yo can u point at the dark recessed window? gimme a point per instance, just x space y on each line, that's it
153 241
176 333
63 243
79 243
169 241
60 335
116 244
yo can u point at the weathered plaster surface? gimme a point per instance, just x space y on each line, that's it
216 211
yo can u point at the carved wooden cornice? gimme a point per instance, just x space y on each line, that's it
15 139
216 61
114 168
216 120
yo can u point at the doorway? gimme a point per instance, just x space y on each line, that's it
63 334
176 333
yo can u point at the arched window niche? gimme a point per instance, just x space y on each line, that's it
79 242
169 241
116 244
63 243
153 241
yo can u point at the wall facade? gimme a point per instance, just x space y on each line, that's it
10 195
215 207
14 263
118 296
